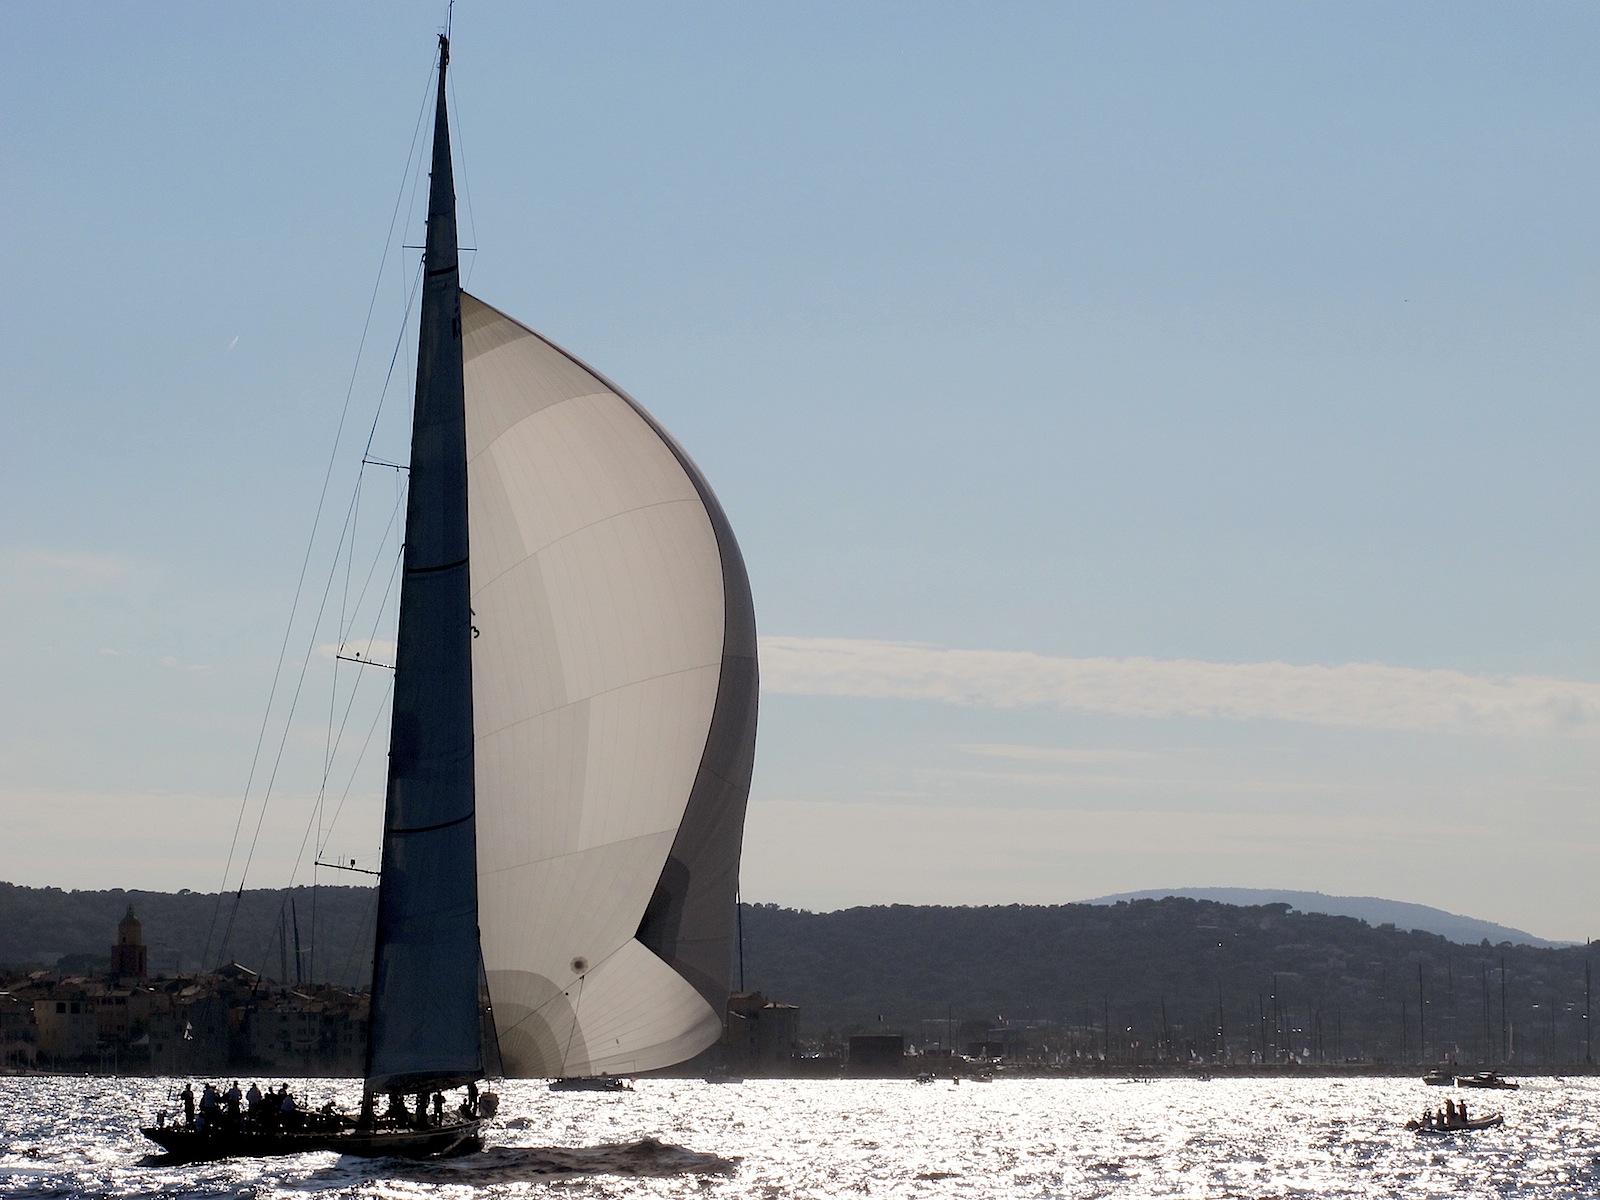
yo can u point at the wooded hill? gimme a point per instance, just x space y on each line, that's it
1141 980
189 931
1159 978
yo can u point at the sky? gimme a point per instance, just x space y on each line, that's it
1161 436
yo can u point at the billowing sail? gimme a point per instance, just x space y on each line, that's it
425 1026
614 694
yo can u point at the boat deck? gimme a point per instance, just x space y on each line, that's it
186 1144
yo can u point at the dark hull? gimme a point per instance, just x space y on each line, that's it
1492 1121
190 1145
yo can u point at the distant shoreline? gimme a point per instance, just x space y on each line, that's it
1124 1071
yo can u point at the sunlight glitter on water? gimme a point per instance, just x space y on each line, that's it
767 1139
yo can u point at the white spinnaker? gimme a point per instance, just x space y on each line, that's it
597 594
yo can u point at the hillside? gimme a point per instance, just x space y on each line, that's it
38 926
1331 986
1173 971
1371 909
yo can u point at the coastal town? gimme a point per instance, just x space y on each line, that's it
127 1021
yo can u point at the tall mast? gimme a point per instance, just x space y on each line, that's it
425 1027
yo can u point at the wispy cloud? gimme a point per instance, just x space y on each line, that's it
1074 756
1161 780
1364 695
26 570
173 663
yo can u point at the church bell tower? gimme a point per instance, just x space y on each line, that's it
128 956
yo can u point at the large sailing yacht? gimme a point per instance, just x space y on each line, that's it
571 741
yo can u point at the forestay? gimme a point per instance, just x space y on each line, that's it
614 695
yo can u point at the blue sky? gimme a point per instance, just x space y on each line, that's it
1062 368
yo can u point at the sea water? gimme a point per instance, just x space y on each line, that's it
70 1137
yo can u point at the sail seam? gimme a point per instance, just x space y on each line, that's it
720 529
562 994
638 837
479 735
692 501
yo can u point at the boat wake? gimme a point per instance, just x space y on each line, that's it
647 1158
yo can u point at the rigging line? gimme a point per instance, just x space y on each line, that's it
591 969
337 738
327 774
458 143
372 570
394 217
394 358
566 1052
406 179
272 692
421 172
283 742
272 932
346 621
361 755
288 720
345 637
328 742
346 532
362 937
326 832
335 728
306 659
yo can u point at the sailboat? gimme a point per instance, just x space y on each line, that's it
571 741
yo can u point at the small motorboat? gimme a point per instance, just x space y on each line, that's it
1486 1079
591 1083
1472 1124
1439 1077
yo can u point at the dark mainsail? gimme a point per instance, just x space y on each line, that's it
425 1024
